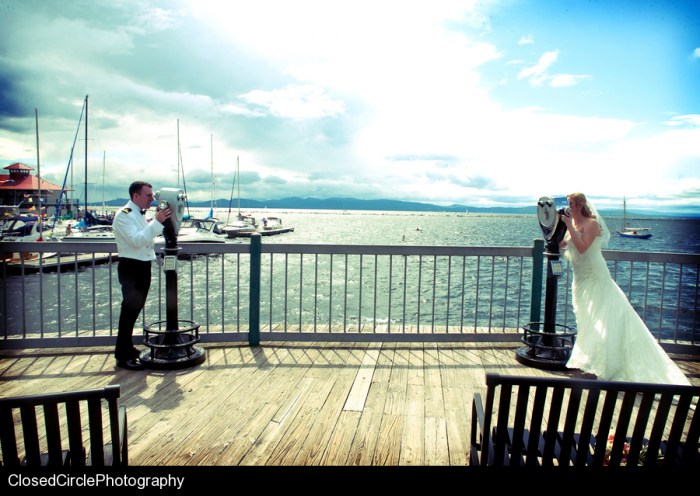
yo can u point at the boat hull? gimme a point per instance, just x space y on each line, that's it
261 232
633 235
92 237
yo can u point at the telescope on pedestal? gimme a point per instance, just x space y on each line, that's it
548 344
171 342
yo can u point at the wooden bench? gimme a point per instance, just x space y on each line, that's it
49 448
552 421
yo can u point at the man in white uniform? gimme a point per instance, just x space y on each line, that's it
135 240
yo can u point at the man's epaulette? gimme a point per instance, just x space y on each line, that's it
126 210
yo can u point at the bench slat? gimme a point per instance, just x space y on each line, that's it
692 442
501 431
550 437
53 435
8 437
535 443
567 441
31 435
518 436
96 456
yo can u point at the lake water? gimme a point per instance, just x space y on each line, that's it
319 227
451 229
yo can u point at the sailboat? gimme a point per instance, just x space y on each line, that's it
211 206
197 229
28 226
632 232
243 225
90 227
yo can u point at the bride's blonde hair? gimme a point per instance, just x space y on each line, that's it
580 199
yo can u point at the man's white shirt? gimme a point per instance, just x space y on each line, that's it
135 236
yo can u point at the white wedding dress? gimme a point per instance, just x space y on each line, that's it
612 341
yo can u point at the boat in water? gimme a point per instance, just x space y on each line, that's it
24 228
90 228
243 226
194 230
635 232
100 232
31 229
273 225
629 231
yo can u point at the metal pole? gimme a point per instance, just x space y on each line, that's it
254 309
536 297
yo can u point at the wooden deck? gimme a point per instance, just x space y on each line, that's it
291 404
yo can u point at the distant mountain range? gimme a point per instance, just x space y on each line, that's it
297 203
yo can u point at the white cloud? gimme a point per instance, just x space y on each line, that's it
564 80
537 73
296 102
685 120
526 40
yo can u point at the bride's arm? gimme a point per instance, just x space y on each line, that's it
582 240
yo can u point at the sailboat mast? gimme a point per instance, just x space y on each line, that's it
38 174
181 167
211 148
230 200
86 155
69 168
104 207
38 166
238 173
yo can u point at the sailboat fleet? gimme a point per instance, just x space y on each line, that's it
197 229
98 228
244 225
34 228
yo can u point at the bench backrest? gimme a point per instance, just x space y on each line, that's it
562 421
62 420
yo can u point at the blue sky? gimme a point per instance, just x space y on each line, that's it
482 103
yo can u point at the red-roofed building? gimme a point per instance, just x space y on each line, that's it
20 189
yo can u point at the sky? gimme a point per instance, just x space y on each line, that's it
474 102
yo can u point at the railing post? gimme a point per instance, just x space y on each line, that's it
254 304
536 293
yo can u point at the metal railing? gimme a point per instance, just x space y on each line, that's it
69 293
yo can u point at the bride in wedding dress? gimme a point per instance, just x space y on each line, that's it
612 341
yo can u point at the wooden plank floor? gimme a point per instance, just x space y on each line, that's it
291 404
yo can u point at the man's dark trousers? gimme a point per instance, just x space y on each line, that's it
135 278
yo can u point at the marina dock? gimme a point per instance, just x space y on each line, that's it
31 263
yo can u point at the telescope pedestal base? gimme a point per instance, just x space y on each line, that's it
546 350
172 349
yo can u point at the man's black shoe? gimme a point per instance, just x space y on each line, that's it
131 364
135 353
